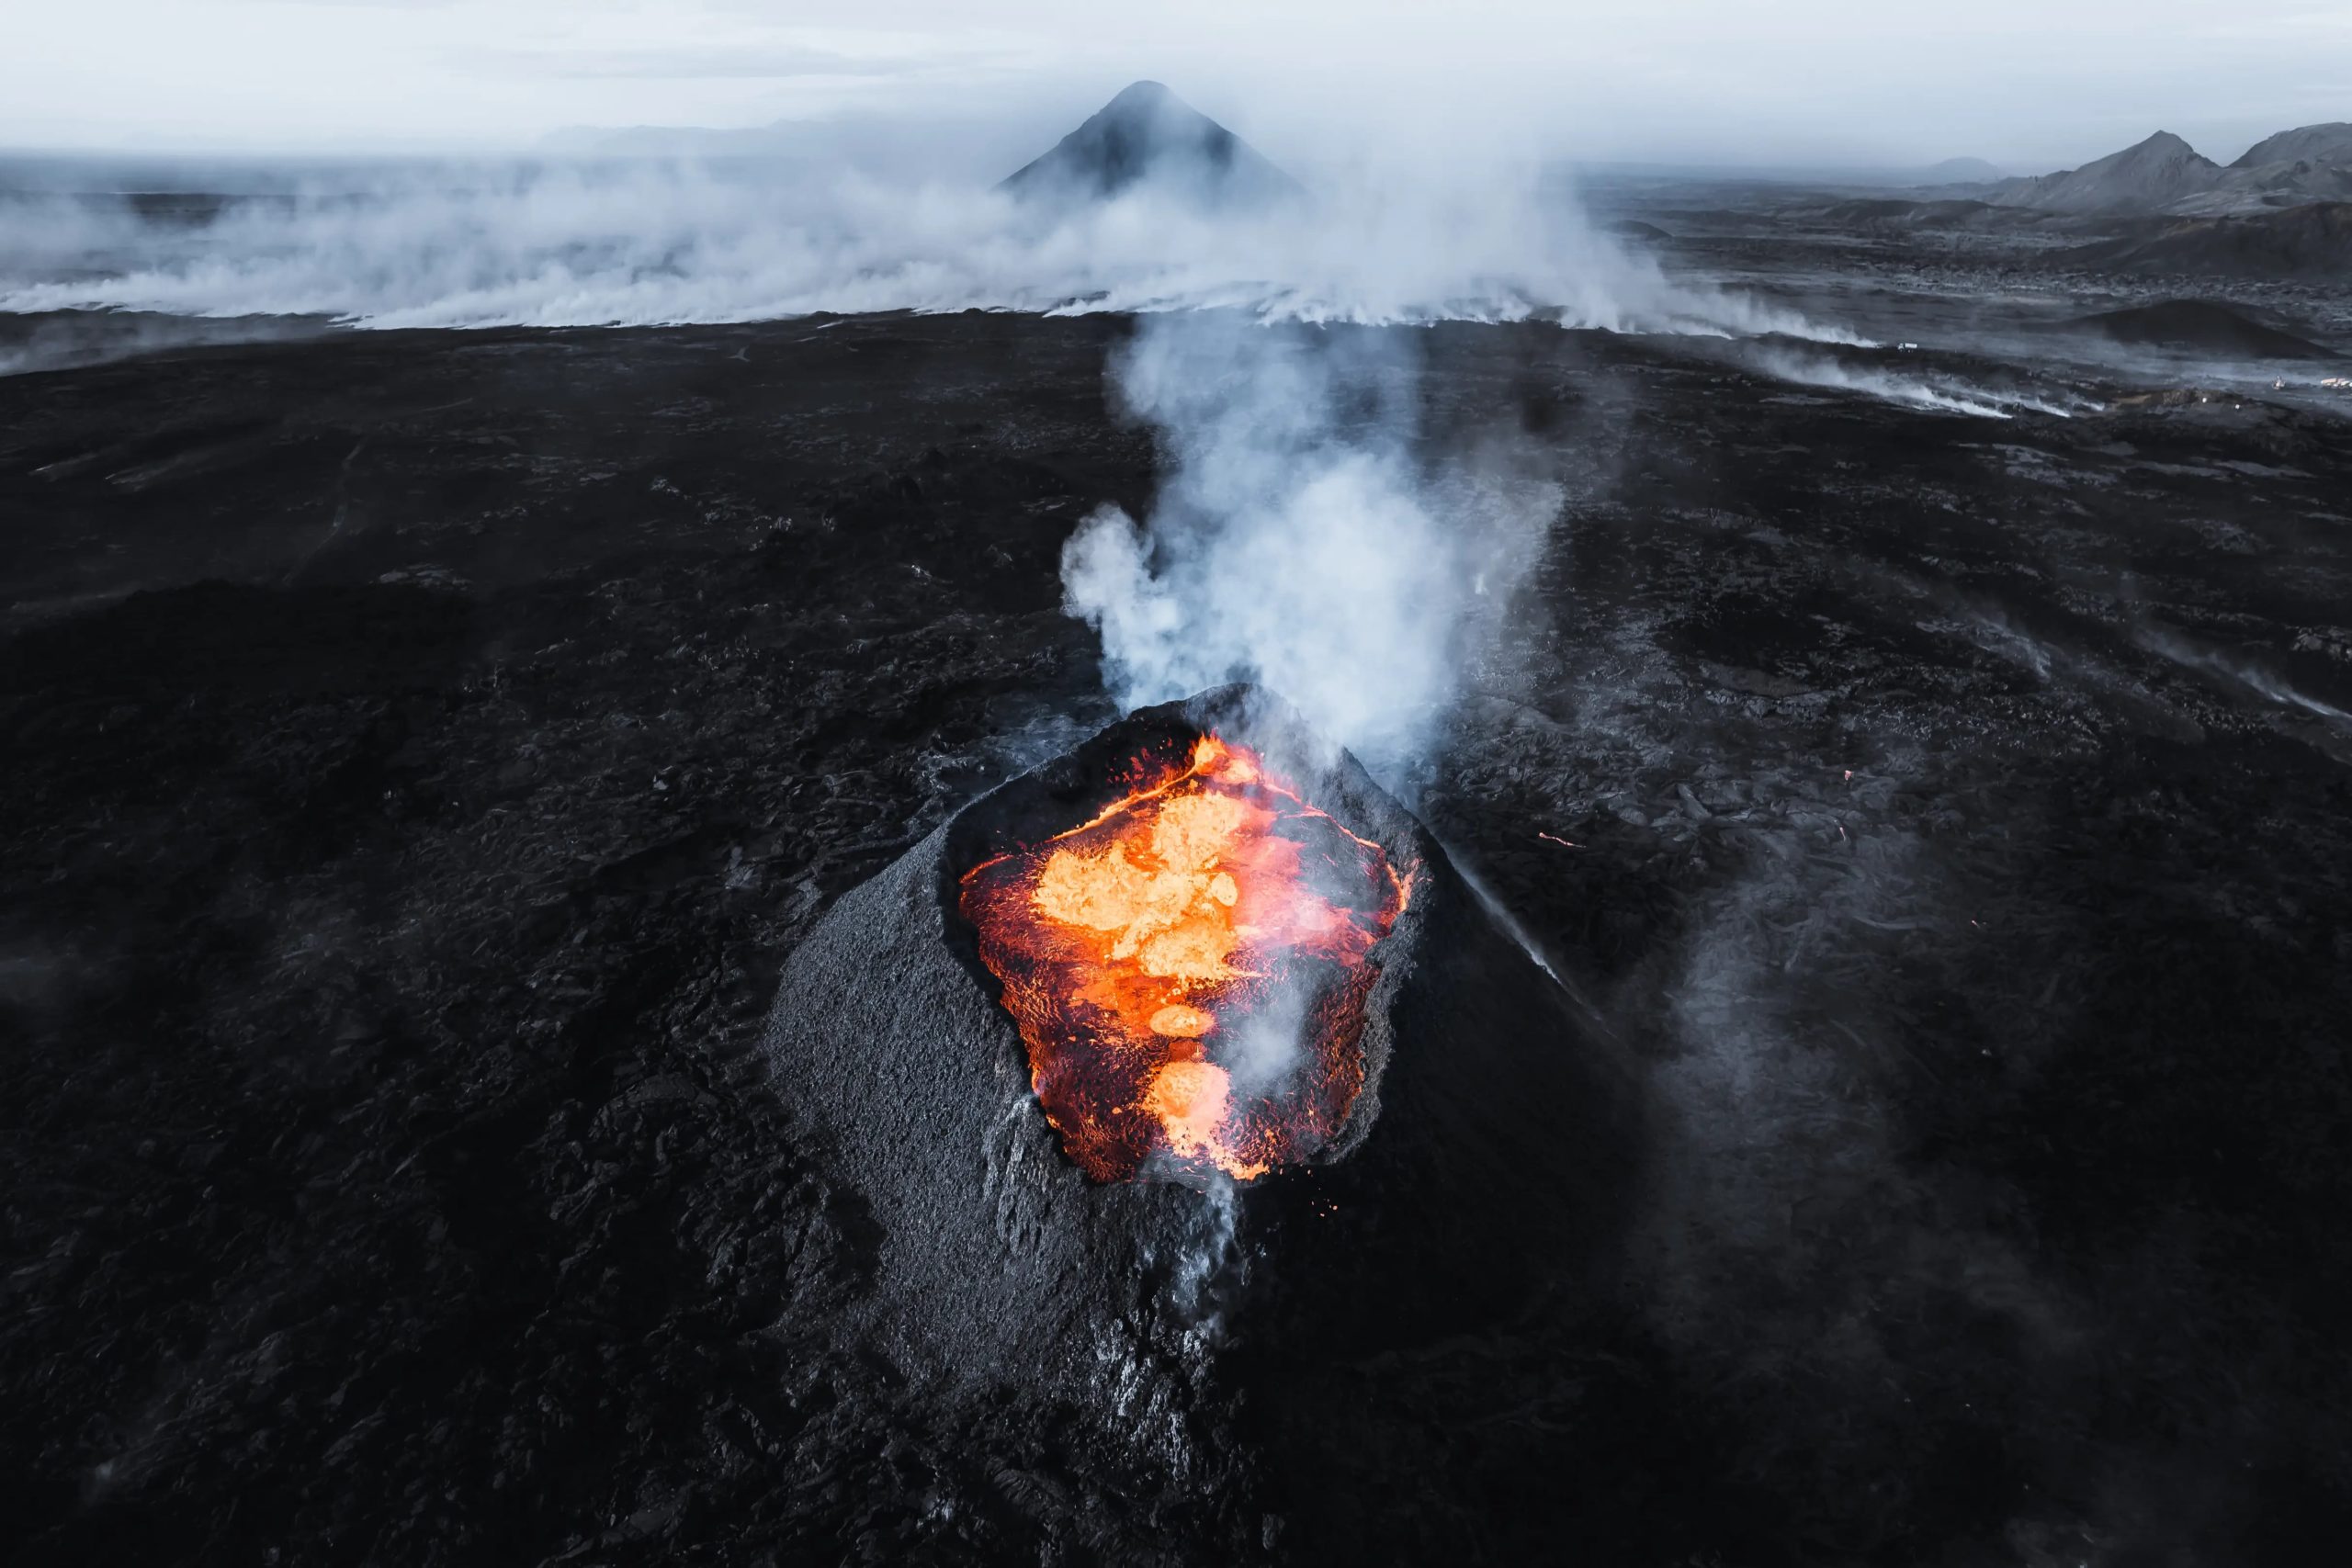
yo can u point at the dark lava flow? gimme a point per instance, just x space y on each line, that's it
425 749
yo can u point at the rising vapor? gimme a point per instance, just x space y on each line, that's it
1299 540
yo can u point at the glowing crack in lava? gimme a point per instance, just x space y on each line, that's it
1189 969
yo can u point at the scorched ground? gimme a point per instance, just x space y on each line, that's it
424 751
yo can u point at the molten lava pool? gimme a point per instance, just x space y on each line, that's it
1189 970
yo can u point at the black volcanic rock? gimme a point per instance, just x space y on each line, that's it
1898 210
1494 1129
2201 325
393 1177
2314 241
1150 137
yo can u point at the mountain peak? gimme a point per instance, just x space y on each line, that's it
2330 144
1141 95
1147 135
2162 147
2146 176
2164 174
1962 171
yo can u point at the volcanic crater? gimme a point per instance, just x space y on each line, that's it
1311 1094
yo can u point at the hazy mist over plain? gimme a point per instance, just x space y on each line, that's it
950 90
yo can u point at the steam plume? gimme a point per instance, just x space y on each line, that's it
1297 540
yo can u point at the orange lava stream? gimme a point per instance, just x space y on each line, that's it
1189 969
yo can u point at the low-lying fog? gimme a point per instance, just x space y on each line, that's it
94 265
659 242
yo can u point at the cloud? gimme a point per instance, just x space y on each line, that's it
1705 80
771 63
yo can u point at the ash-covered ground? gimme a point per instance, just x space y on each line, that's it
424 748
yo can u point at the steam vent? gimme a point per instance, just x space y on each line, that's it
1193 1024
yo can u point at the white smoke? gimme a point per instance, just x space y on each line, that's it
650 243
1299 540
1261 1051
2237 672
1938 393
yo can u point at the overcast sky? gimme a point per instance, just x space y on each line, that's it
2030 85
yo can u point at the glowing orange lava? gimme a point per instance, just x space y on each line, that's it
1189 969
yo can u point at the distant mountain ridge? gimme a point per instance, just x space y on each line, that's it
1149 136
2311 143
2156 173
1962 171
2164 174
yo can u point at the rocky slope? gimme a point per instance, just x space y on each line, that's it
2311 241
